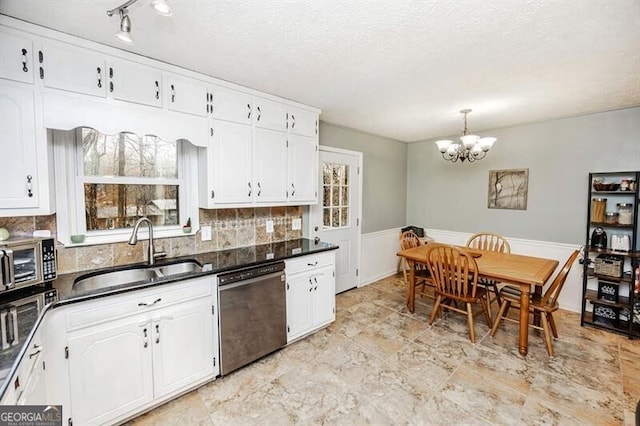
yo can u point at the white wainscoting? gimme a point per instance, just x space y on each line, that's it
379 258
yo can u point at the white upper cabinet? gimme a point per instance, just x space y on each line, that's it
132 82
226 166
16 58
302 122
270 166
187 95
231 105
23 158
261 149
270 115
302 170
62 66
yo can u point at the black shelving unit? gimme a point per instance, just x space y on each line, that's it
609 276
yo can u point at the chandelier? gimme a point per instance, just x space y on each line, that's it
471 147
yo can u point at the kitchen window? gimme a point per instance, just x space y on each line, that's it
109 181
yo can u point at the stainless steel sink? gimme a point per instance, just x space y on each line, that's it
188 266
114 278
134 275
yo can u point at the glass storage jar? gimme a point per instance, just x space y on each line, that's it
625 213
611 218
598 208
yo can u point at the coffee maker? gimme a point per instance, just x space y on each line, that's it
599 238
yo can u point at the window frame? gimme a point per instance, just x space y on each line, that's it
70 180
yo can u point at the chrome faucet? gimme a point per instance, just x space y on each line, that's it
134 239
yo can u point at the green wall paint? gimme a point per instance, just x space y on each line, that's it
559 155
384 191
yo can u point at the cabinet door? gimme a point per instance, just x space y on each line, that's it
18 165
324 296
16 58
73 69
186 95
304 123
134 82
110 369
299 314
302 169
182 346
270 170
231 105
270 115
230 162
35 391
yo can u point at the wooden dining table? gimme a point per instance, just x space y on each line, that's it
516 269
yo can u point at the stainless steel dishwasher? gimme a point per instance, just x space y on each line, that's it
253 314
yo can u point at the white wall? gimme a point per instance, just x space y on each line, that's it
379 258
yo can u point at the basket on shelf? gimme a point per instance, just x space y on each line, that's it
609 265
608 315
599 186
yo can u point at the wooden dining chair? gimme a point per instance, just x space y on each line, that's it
545 304
410 239
490 242
455 275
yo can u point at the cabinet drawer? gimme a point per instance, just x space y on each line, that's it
113 307
306 263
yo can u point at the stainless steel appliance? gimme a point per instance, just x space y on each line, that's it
19 312
26 261
253 314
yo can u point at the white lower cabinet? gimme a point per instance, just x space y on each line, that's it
117 368
310 294
110 370
182 346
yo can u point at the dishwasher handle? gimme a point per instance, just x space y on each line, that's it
251 281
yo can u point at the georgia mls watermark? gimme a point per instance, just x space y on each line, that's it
30 415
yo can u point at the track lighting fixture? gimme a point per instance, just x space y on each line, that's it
124 35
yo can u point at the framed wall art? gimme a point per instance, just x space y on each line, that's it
508 189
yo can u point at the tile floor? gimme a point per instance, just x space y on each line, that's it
379 364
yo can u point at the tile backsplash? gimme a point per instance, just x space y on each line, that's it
230 228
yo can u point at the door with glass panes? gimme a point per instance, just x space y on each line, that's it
336 218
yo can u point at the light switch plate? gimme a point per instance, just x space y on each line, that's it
269 225
296 224
206 233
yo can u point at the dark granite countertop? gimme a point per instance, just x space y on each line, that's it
212 263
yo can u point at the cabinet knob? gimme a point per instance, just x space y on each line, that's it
99 77
248 110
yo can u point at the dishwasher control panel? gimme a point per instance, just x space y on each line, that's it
249 273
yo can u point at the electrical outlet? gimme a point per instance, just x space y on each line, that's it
296 224
269 225
206 233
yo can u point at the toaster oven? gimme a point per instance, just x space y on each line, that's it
25 262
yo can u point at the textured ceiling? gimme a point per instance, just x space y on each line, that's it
397 68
